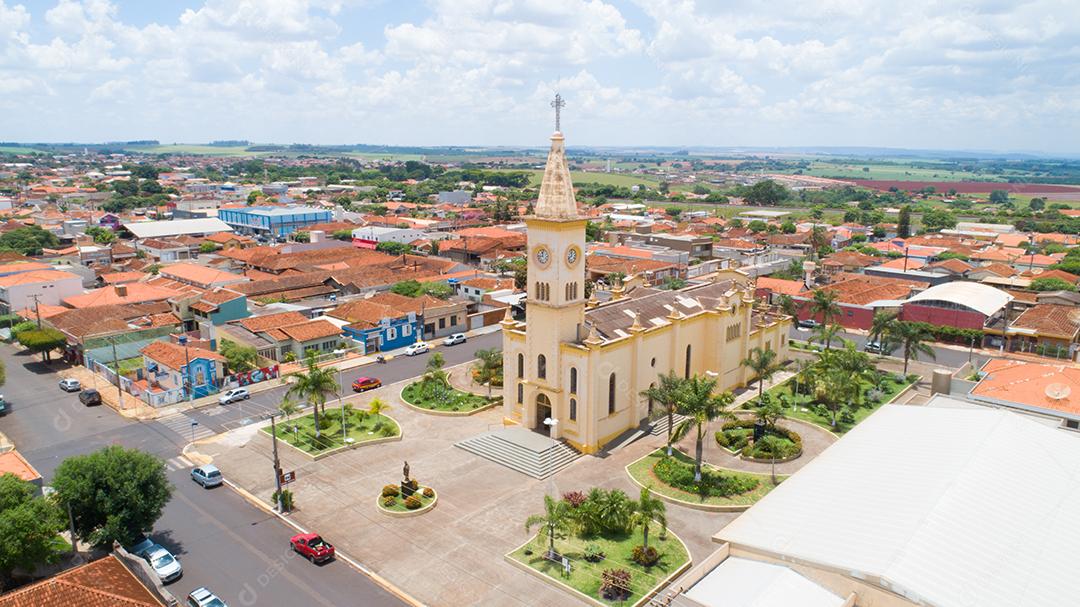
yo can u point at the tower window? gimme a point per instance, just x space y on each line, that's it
541 367
573 380
573 409
687 371
611 394
521 393
521 366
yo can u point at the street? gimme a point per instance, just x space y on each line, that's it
226 544
946 357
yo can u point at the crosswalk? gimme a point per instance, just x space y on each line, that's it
178 463
181 424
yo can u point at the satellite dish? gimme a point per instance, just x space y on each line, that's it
1058 391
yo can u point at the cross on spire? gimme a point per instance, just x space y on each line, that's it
559 103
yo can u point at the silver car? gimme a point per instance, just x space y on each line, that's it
455 339
70 384
202 597
207 476
231 396
164 564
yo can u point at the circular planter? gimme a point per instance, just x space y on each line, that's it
401 396
407 513
771 461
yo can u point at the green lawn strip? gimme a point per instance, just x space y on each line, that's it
642 471
464 401
890 389
399 503
359 429
585 576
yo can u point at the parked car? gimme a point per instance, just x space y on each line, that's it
202 597
455 339
809 323
312 547
4 405
875 347
139 549
164 564
90 397
231 396
363 384
207 476
70 384
418 348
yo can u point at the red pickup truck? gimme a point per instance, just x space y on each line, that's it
312 547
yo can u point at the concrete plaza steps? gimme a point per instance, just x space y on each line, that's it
522 450
659 427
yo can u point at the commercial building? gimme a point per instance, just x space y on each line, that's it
376 234
38 287
273 221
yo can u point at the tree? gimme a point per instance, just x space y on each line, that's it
764 364
288 407
378 406
393 248
788 227
648 509
770 413
825 304
666 392
903 225
701 406
1051 283
489 366
101 235
912 338
42 340
207 247
29 240
1037 204
28 526
882 328
301 236
999 197
756 226
239 359
554 520
788 305
766 193
434 370
314 386
826 334
938 219
115 494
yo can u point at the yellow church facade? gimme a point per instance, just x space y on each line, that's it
581 365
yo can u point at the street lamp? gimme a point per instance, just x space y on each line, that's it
277 465
551 422
188 384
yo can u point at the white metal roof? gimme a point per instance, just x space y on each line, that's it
156 229
984 299
739 582
949 507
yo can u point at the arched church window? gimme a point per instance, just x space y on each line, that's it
611 394
573 380
521 366
541 366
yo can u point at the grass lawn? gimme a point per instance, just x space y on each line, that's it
446 399
184 148
361 428
642 471
890 388
585 576
399 502
579 177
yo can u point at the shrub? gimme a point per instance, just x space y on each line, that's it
388 501
604 512
429 492
594 554
286 499
415 484
646 557
391 491
574 498
722 440
387 431
615 584
413 502
712 484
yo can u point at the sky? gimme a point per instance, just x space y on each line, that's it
1001 75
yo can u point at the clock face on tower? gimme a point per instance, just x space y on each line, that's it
572 256
543 256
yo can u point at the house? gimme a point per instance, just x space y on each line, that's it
135 292
375 235
859 296
1044 389
219 306
960 304
771 289
472 249
12 462
865 527
474 289
200 276
40 287
164 250
194 372
953 267
1047 329
90 331
600 267
284 336
847 261
229 240
456 197
387 321
105 582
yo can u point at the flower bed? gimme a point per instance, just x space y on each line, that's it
673 477
434 396
360 427
391 501
586 576
786 444
806 410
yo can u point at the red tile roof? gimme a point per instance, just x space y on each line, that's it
176 356
102 583
1026 383
1054 320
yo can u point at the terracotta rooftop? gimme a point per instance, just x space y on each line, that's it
102 583
1027 383
780 285
135 292
176 356
956 266
1062 274
312 329
116 278
36 276
998 268
850 259
256 324
910 263
12 462
201 276
1053 320
859 289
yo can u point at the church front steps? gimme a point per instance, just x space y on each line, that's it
527 456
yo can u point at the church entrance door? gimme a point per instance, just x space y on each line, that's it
543 411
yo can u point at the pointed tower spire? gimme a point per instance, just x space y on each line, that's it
557 190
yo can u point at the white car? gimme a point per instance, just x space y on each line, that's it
165 565
231 396
201 597
418 348
455 339
70 385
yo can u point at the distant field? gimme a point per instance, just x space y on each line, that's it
206 150
388 156
854 170
4 149
970 187
616 179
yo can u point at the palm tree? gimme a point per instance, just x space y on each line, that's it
701 406
882 329
913 338
288 407
824 303
315 386
764 365
488 366
555 519
770 413
666 392
825 334
646 510
788 305
377 407
435 370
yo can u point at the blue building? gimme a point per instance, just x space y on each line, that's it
273 221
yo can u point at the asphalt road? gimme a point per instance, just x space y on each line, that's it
947 357
224 543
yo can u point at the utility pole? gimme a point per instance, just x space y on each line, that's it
116 361
277 465
37 308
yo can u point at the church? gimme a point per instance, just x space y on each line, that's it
583 364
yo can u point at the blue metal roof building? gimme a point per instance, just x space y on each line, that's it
273 221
